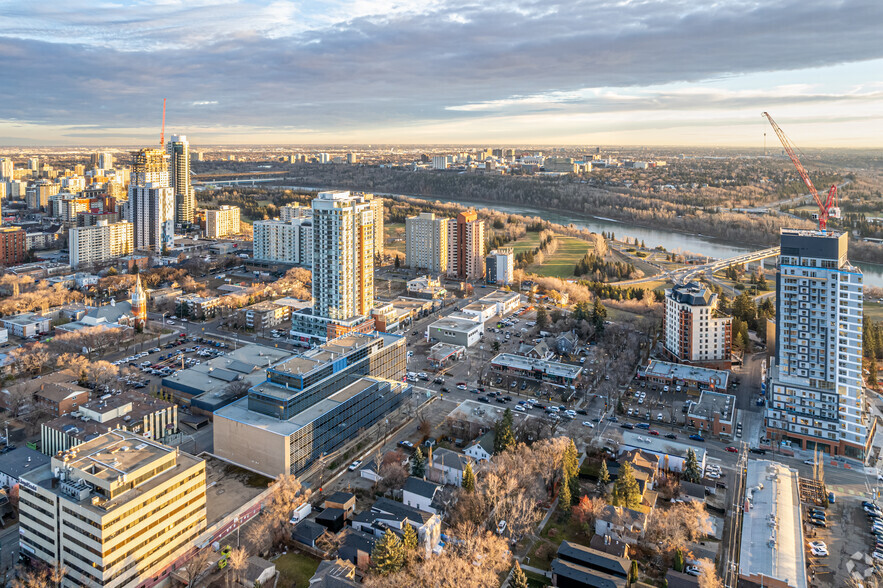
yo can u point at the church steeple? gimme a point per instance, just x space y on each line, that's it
139 305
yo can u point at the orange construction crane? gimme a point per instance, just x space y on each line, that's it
162 135
828 208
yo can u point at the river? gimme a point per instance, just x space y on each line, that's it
671 240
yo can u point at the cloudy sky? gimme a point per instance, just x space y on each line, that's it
656 72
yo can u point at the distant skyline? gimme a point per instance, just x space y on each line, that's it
617 72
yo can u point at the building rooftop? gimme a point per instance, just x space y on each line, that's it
554 368
58 391
21 460
585 576
772 532
694 294
265 306
711 403
421 487
675 371
455 324
442 351
246 363
99 415
25 318
500 296
658 445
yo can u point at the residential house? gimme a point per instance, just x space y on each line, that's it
594 559
356 546
60 398
621 523
482 449
332 519
346 501
566 343
578 566
420 494
389 514
308 532
539 351
569 575
692 492
609 545
370 471
259 572
447 467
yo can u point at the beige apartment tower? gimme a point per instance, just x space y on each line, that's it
223 222
114 511
426 242
100 243
466 247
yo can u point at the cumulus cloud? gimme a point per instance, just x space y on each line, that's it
350 65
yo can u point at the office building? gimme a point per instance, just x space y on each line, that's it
377 207
151 210
466 247
816 400
12 246
343 255
312 403
694 330
465 331
150 166
284 242
6 169
441 161
223 222
115 511
101 243
426 242
37 195
500 266
179 178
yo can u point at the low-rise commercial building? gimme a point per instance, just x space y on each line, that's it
18 462
693 377
500 266
553 372
26 324
426 287
115 511
715 413
455 331
505 301
773 552
264 315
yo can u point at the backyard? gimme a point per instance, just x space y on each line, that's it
296 569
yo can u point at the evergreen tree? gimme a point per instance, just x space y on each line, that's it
679 562
418 464
388 556
409 538
692 472
872 369
518 579
604 474
599 314
626 491
398 263
503 436
468 479
633 573
542 318
570 461
565 498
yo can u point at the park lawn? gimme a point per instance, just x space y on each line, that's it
563 261
389 230
551 536
528 242
874 311
296 568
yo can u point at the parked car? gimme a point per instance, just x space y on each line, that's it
355 465
697 438
731 449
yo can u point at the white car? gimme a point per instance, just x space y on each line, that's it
354 465
589 424
819 552
501 526
818 545
692 570
518 407
461 386
809 462
532 400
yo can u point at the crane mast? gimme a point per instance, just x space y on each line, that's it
162 135
828 208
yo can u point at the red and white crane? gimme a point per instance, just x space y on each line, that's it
162 135
827 209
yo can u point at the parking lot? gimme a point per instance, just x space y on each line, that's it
160 362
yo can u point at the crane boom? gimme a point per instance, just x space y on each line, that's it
827 208
162 136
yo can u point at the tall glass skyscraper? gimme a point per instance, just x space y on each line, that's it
179 178
817 401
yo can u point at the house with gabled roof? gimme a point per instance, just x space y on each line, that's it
482 449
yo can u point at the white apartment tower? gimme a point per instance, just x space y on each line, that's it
223 222
816 397
500 266
113 512
343 255
293 211
100 243
426 242
284 242
151 210
694 330
179 178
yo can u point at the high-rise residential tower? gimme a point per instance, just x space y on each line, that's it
222 222
466 246
816 396
426 242
694 330
179 178
99 243
6 169
150 166
151 210
343 255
